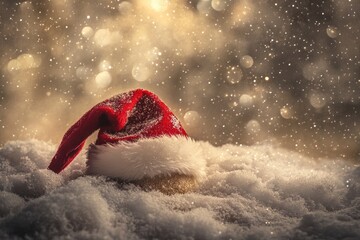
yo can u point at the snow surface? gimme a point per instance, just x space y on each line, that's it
250 192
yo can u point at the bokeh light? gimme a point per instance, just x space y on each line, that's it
253 71
103 79
247 61
332 32
191 118
246 100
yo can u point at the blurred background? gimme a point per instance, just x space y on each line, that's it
233 71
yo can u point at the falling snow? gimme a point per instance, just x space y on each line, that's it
59 58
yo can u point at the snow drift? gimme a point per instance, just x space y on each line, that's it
249 192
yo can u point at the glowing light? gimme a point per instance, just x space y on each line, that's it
104 65
203 6
125 7
191 118
317 100
234 74
24 61
26 6
218 5
103 79
153 54
332 32
159 5
286 112
104 37
310 71
243 12
253 126
87 32
246 100
247 61
140 72
83 72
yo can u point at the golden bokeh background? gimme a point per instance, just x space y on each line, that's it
233 71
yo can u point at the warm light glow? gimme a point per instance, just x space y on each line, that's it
234 74
218 5
243 12
246 100
317 100
191 118
140 72
286 112
103 79
332 32
87 32
104 37
159 5
253 127
246 61
24 61
231 61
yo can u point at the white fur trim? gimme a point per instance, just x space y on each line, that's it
147 158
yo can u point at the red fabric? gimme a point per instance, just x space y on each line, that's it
125 117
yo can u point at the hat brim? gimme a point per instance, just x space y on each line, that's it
149 157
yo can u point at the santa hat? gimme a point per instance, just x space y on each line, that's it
138 137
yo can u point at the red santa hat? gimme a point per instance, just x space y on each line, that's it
138 137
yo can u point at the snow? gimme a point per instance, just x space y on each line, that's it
249 192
